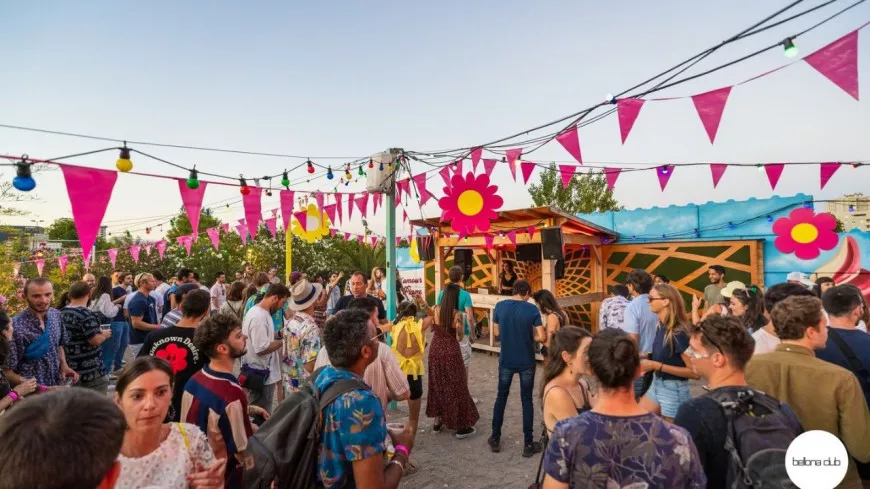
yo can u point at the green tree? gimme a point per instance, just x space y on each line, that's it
587 192
840 228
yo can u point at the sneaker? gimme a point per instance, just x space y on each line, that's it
494 444
532 448
465 433
437 427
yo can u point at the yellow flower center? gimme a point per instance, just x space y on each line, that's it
804 233
470 202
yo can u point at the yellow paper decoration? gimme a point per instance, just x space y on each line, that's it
317 225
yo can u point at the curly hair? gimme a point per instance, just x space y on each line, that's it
727 334
214 331
344 336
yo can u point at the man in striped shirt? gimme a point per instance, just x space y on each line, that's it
213 399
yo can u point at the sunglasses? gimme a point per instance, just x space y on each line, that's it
700 327
378 337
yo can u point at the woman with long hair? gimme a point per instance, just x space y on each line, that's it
101 303
376 284
507 278
409 343
154 453
670 385
10 394
602 445
449 401
564 391
235 303
554 317
748 305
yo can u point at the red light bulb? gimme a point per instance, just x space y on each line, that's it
371 163
310 167
243 187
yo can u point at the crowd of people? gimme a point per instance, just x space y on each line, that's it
173 380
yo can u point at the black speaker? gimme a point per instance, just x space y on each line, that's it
426 248
551 242
462 258
560 268
529 252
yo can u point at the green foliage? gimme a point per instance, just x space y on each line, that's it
840 228
587 192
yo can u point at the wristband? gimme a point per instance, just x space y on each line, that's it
42 388
402 449
12 395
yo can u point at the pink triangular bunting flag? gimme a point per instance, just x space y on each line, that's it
243 232
528 167
476 153
338 211
252 203
226 227
403 186
113 256
187 243
347 236
161 248
272 226
148 249
134 253
774 171
664 173
826 171
89 193
489 165
350 204
445 175
374 241
717 170
627 110
192 200
62 262
287 204
710 106
571 142
512 155
567 172
318 197
420 182
611 174
40 265
488 239
360 239
302 217
362 203
214 235
531 232
512 236
329 210
332 233
457 167
838 62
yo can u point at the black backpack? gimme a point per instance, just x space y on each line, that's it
757 437
285 448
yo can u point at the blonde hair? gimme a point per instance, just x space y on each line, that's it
677 319
140 278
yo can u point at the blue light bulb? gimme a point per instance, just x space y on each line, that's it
24 184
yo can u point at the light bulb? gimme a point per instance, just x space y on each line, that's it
769 218
371 163
329 174
285 182
664 170
790 50
851 208
361 172
310 166
760 168
610 99
23 180
193 180
124 164
243 187
381 166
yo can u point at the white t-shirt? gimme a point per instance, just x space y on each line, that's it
259 329
218 294
168 466
764 342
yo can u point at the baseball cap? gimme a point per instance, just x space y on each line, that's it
800 278
731 287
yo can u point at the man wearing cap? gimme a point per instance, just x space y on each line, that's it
301 336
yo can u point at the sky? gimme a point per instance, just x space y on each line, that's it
351 79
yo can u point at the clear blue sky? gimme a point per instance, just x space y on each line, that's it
353 78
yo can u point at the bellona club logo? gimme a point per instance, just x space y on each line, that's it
816 460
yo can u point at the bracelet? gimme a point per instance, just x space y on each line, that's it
394 461
42 388
661 366
14 396
403 449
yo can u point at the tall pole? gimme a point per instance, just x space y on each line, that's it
391 238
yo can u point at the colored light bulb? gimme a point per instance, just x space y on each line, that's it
243 187
329 174
193 180
23 180
310 167
124 164
361 172
790 50
285 182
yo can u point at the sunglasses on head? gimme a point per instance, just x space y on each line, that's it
700 327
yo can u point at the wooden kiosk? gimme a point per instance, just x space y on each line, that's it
577 280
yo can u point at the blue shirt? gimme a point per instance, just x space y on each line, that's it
596 450
27 329
662 351
464 302
354 428
117 293
146 307
859 341
640 320
516 327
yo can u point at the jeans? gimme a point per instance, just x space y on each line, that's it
114 347
527 385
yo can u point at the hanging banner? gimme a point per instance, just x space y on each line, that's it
192 201
272 226
287 204
627 111
774 171
134 253
62 263
161 248
528 167
215 236
838 62
567 173
611 174
89 193
476 153
826 171
664 173
717 170
571 142
40 265
113 256
710 106
252 202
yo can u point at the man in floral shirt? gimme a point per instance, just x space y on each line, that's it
36 349
612 313
301 336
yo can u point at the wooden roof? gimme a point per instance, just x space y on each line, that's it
535 216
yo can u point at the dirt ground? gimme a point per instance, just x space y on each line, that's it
446 462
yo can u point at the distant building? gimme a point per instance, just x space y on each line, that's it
853 210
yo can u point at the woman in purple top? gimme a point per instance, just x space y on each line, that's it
618 443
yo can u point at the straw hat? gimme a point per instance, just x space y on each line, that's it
304 294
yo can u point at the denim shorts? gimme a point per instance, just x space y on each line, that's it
669 395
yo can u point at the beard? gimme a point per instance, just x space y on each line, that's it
39 307
234 353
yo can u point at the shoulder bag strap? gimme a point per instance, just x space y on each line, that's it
183 435
854 362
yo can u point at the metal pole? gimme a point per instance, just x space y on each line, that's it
391 240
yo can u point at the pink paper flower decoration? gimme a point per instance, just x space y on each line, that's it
804 233
470 203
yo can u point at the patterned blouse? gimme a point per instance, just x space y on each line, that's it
169 465
354 428
27 328
301 346
638 452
